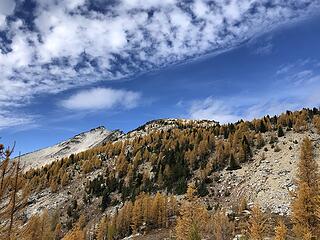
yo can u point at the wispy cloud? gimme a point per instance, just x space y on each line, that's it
213 109
102 98
301 72
60 45
264 49
9 119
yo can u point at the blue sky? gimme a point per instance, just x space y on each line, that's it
69 66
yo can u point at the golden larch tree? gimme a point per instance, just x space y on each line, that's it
258 224
305 204
281 231
193 221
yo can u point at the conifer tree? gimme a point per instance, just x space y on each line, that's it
65 179
54 186
192 223
222 228
245 152
111 230
281 231
105 200
257 226
318 208
137 213
280 132
316 122
301 122
58 231
305 204
75 234
38 228
82 221
233 164
18 195
260 141
243 204
102 229
6 174
262 127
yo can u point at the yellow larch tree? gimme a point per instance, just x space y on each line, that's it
281 231
258 224
75 234
222 227
305 204
192 223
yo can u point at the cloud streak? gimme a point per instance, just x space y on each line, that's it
9 119
102 98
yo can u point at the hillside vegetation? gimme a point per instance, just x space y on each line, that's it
174 179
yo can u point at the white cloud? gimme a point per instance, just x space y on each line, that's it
102 98
213 109
2 21
7 7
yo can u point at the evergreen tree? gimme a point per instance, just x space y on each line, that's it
54 186
65 179
233 164
137 213
245 152
105 201
280 132
262 127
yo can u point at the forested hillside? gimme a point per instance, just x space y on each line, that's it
174 179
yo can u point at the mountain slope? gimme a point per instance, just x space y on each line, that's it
76 144
227 165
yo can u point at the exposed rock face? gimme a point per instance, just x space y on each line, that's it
268 179
76 144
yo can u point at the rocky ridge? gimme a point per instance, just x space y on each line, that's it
76 144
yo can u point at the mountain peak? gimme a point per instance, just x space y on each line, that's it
78 143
